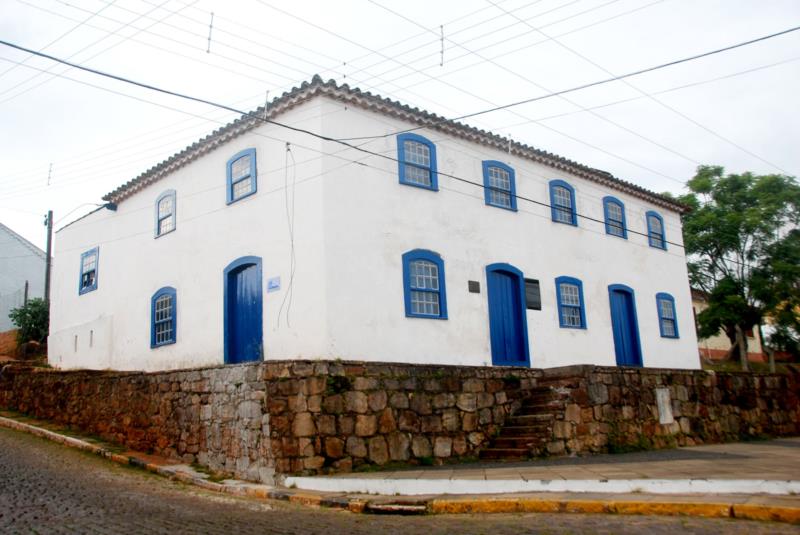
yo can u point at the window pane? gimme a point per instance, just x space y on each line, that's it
165 206
614 219
668 326
166 224
571 316
500 198
562 196
499 178
87 279
655 225
417 175
242 188
240 168
89 262
424 275
569 295
417 153
667 309
425 303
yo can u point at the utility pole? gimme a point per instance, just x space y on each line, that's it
25 296
48 262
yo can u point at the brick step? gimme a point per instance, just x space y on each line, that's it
521 441
525 430
551 406
506 454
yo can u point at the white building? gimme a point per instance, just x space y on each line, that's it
21 265
261 241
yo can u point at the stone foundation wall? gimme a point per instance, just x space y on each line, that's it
330 416
215 417
615 409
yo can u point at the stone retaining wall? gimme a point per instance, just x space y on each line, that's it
215 417
339 416
615 409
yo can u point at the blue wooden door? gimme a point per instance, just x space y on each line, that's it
625 325
508 329
243 312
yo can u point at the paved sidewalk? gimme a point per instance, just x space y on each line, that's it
772 462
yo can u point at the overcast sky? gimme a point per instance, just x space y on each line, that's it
738 109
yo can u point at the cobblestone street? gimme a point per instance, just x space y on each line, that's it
46 488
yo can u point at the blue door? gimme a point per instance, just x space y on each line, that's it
243 325
625 325
508 326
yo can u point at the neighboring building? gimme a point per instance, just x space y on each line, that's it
260 241
717 347
21 262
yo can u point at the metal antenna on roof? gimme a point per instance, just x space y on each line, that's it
509 145
49 173
266 104
441 53
210 27
344 74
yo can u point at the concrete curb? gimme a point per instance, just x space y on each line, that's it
676 506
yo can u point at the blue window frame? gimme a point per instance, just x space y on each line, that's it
499 185
88 279
571 308
562 203
423 285
241 175
163 317
416 158
667 322
614 212
655 230
165 213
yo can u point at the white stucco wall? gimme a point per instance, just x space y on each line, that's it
20 261
352 224
209 235
371 217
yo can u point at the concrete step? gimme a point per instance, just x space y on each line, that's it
530 419
506 454
519 441
525 430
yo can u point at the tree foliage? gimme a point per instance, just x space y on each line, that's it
743 246
32 321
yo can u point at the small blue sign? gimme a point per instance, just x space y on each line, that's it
273 284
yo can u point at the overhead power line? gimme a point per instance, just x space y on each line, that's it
579 87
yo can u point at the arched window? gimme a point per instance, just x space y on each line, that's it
416 157
165 213
571 308
88 279
562 202
614 212
499 185
423 285
667 322
241 175
163 317
655 230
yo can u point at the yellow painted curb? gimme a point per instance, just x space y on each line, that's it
711 510
501 505
305 499
790 515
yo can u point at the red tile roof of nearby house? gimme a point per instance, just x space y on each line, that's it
376 103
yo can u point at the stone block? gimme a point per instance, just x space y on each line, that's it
476 438
386 421
598 393
431 424
442 447
399 446
314 403
473 385
573 413
555 448
347 425
469 421
450 420
297 403
421 446
420 403
356 447
485 400
365 383
467 402
356 402
443 401
333 404
305 447
398 400
303 425
378 450
500 398
485 416
366 425
326 424
334 447
316 385
377 400
409 421
460 445
562 429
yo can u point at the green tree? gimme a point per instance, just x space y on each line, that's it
739 238
32 320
